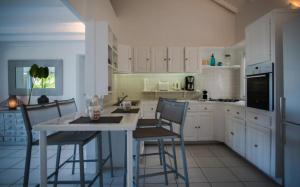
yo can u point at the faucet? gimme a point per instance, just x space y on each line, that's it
121 99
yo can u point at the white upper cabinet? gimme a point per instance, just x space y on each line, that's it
191 60
258 41
175 59
124 59
159 60
142 60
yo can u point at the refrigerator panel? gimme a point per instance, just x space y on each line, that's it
291 155
291 73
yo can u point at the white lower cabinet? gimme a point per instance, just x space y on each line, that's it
258 146
198 126
238 137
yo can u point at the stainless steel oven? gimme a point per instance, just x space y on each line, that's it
260 86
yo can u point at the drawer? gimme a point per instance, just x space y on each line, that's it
10 122
237 112
21 139
149 107
10 133
9 116
259 119
9 139
199 108
20 127
20 121
21 133
10 127
19 116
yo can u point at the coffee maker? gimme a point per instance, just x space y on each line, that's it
189 83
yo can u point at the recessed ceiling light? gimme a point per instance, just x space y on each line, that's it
294 3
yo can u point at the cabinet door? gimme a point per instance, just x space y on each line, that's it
228 130
190 127
205 125
142 60
159 60
176 59
258 41
191 59
239 136
258 146
124 59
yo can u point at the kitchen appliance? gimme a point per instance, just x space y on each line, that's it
189 83
176 85
204 95
163 86
290 103
146 84
260 89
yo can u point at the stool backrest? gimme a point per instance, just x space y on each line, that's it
174 112
160 105
35 114
66 107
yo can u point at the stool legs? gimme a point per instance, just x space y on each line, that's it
81 166
137 171
100 154
57 165
74 158
186 176
27 165
110 155
163 155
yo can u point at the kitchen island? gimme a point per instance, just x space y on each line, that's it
127 124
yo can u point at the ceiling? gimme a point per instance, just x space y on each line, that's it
31 12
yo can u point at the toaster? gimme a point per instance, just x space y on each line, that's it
163 86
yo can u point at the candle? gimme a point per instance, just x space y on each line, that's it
12 102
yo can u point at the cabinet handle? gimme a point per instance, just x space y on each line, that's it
255 145
165 59
130 58
237 113
147 59
231 133
151 108
205 108
255 117
186 59
169 59
228 110
189 108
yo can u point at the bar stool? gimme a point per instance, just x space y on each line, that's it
69 106
172 113
35 114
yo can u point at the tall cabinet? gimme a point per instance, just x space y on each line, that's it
101 57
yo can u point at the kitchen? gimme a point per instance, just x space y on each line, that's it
229 69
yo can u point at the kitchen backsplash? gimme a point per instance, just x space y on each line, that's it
220 83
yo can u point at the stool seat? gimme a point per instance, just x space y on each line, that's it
153 133
69 138
150 123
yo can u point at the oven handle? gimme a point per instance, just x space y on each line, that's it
255 76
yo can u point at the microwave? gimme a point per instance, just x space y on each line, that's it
260 86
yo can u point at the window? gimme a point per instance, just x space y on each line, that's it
20 81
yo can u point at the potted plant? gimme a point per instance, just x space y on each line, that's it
38 74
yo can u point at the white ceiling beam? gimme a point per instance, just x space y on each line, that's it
225 4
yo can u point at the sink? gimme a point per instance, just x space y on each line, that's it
133 103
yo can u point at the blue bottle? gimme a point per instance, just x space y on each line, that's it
212 60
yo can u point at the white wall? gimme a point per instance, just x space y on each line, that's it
67 51
174 22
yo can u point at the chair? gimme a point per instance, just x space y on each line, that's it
142 123
172 113
66 107
35 114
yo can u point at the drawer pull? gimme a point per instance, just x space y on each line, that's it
231 133
228 110
237 113
255 117
151 108
255 145
205 108
189 108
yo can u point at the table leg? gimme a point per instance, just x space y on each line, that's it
43 158
129 159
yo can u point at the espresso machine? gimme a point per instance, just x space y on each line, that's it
189 83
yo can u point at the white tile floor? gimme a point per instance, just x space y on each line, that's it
209 166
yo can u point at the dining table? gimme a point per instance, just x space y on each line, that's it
127 124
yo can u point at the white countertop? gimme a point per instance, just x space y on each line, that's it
128 122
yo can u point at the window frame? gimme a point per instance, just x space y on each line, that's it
56 63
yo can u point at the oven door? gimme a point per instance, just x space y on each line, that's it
260 91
